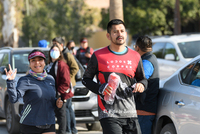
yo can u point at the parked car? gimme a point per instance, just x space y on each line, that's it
179 101
173 52
84 102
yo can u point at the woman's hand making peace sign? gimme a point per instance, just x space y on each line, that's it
11 73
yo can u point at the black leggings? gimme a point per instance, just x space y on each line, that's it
26 129
120 126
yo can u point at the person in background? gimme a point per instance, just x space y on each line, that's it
121 116
85 52
195 72
71 122
146 102
74 68
38 92
71 47
43 43
71 62
58 68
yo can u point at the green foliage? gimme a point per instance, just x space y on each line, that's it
190 11
54 18
155 17
105 18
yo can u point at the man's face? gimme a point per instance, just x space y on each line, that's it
84 45
59 45
118 34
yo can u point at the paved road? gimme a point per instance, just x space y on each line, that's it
81 129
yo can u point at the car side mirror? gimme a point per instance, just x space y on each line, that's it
169 57
2 71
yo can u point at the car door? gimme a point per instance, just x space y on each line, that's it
186 107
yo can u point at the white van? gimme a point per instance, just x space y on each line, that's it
173 52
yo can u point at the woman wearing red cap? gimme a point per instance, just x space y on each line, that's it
84 53
38 92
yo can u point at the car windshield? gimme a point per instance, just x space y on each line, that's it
20 61
190 49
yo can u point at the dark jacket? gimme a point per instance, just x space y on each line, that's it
147 101
80 55
39 99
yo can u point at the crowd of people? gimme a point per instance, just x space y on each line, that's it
47 91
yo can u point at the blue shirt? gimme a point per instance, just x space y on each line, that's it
196 82
148 68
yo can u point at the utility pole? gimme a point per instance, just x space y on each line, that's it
116 9
177 20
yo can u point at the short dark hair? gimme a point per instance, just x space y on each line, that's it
114 22
60 40
144 43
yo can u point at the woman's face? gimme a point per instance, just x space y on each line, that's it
55 53
72 44
37 64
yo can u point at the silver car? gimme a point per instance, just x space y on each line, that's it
179 101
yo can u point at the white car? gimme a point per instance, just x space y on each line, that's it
173 52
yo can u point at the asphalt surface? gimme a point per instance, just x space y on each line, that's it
80 127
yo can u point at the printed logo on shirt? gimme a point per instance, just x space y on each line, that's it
119 64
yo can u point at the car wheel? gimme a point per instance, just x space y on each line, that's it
11 122
93 126
168 129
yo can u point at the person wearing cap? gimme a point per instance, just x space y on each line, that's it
37 89
85 52
146 102
43 43
70 46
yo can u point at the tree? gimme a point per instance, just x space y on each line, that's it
149 17
66 18
11 25
116 9
177 21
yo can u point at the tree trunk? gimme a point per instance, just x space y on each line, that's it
177 19
9 31
116 9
